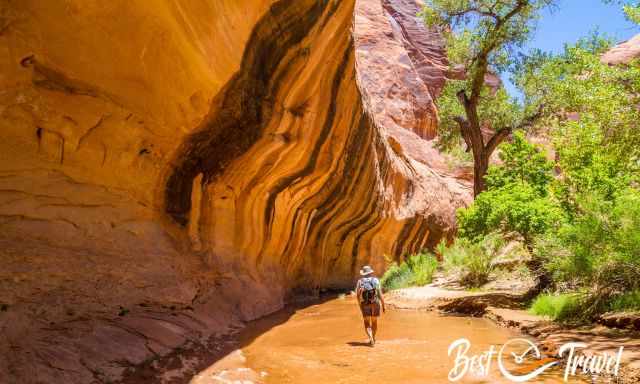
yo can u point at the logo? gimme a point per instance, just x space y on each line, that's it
519 360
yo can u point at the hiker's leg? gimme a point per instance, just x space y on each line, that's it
367 323
374 326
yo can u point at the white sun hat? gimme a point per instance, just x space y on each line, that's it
366 270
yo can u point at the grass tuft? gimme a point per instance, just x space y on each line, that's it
416 270
556 307
629 301
473 260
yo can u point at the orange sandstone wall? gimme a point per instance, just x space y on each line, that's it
171 168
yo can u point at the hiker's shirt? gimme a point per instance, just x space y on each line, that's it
376 284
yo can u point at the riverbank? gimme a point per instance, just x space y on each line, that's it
507 310
217 358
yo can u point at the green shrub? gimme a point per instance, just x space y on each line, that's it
396 276
423 267
556 307
417 269
473 260
517 196
629 301
513 208
522 163
599 249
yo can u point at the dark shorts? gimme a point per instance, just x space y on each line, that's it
370 309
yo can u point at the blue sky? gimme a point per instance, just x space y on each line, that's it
574 19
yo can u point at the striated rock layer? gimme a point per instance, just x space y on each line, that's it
169 171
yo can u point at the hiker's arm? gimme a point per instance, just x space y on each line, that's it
381 299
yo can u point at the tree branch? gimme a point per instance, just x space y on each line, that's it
499 136
473 124
477 11
465 132
462 97
496 139
482 60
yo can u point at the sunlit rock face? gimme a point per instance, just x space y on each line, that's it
623 53
168 171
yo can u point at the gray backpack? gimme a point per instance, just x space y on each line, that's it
369 290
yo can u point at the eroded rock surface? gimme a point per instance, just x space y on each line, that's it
623 53
170 171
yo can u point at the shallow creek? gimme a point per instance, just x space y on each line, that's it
325 343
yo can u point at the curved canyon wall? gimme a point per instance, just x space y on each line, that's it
168 170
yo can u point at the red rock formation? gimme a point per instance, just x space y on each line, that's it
623 53
169 171
402 65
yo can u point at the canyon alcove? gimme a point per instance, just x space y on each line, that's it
170 171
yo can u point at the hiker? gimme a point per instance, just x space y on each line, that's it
369 296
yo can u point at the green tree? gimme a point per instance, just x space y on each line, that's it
517 197
482 36
522 163
591 115
598 249
517 200
631 9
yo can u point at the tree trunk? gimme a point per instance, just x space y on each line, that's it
480 167
471 131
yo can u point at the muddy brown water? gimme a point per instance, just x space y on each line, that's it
325 343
